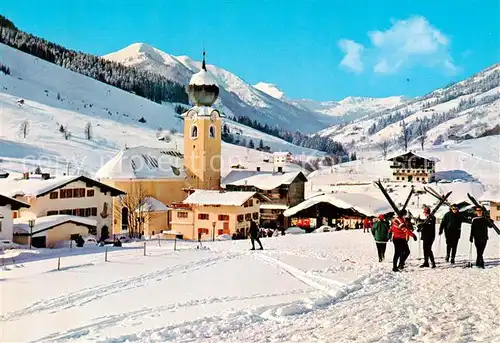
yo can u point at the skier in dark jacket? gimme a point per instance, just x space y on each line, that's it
380 232
254 235
428 235
451 226
479 235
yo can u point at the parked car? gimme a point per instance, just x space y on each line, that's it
90 240
6 244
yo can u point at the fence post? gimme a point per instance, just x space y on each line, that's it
106 255
175 243
59 263
144 248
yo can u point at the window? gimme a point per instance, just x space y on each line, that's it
15 214
498 207
248 216
90 192
498 218
397 178
255 215
65 193
245 204
182 214
88 212
203 216
203 231
52 213
94 211
250 203
211 131
0 226
78 192
239 218
194 131
54 195
68 212
223 217
220 232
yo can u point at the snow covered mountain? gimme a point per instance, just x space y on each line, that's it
236 98
466 109
49 99
342 111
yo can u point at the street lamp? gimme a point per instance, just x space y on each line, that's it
31 223
213 231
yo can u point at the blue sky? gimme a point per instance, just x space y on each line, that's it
322 50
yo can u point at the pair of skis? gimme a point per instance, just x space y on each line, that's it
442 200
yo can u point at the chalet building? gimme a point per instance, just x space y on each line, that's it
411 167
494 200
7 206
283 189
64 198
206 214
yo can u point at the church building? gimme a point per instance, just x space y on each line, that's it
167 176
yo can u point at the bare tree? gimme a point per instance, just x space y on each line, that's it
24 129
422 134
136 206
405 135
384 147
88 131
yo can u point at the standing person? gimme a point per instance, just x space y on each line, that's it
451 225
367 225
479 235
380 233
428 235
400 232
254 234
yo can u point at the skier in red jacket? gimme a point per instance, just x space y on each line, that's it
401 232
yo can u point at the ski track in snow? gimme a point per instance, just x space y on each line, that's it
87 295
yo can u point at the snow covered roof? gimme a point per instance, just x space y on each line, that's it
35 186
263 180
21 225
15 204
209 197
361 203
272 206
203 111
203 78
281 153
144 163
152 205
420 155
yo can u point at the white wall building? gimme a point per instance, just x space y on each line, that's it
77 196
7 205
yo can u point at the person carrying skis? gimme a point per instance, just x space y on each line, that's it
380 232
428 235
254 234
451 226
479 235
401 232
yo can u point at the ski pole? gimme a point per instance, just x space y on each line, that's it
419 244
439 246
470 255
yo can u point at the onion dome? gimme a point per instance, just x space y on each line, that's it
203 89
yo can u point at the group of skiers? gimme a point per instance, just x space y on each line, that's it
400 231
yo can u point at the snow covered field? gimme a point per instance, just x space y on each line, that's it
325 287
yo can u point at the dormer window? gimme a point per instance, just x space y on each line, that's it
194 132
211 131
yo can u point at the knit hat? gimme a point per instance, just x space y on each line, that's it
381 217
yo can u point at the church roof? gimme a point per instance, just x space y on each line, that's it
144 163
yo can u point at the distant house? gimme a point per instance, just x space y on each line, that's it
413 168
283 189
494 199
207 213
73 197
282 157
7 206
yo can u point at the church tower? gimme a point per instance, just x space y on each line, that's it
202 132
